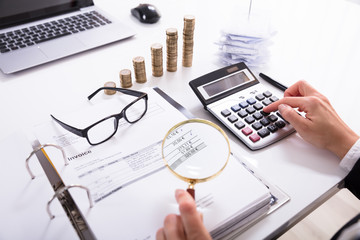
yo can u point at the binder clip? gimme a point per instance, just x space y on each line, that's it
39 148
61 190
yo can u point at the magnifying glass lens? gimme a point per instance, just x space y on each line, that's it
196 150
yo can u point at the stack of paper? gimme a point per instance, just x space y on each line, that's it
246 38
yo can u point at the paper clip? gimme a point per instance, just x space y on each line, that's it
61 190
39 148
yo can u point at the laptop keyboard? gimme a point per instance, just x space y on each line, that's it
13 40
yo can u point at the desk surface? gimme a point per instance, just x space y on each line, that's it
316 40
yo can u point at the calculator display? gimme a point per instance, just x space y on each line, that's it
224 84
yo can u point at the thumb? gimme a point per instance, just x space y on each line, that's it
192 220
290 115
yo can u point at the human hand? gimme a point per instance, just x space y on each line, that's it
188 225
321 126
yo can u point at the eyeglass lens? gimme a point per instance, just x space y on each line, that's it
102 131
135 111
106 128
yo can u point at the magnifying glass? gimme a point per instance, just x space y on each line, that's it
195 150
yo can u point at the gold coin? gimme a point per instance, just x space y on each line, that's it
157 60
171 49
171 31
138 59
189 18
108 91
188 40
139 69
156 46
125 78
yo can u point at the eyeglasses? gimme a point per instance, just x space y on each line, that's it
104 129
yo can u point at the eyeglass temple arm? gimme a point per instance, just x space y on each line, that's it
126 91
75 131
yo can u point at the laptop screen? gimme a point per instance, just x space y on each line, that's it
14 12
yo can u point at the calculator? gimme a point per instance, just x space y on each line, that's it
236 98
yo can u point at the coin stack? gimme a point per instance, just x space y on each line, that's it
139 69
125 78
108 91
188 40
171 49
157 59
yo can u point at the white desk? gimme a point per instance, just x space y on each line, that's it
316 40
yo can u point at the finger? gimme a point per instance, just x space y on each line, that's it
300 89
303 89
290 115
296 89
295 102
190 217
173 228
272 107
160 235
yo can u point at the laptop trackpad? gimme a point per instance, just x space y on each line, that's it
62 47
21 59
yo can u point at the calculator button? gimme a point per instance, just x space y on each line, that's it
258 106
250 110
232 118
264 132
264 113
256 126
225 113
272 128
267 94
267 102
265 122
247 131
242 113
260 97
244 104
236 108
272 118
254 137
249 119
273 98
239 125
251 101
280 124
277 113
258 116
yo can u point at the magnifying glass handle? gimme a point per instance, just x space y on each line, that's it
191 191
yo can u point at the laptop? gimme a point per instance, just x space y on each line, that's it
39 31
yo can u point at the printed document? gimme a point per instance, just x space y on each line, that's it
131 188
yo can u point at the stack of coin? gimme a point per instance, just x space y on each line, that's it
125 78
188 40
139 69
108 91
157 59
171 49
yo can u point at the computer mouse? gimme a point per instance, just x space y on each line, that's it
146 13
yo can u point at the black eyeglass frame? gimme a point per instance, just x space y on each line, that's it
118 116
